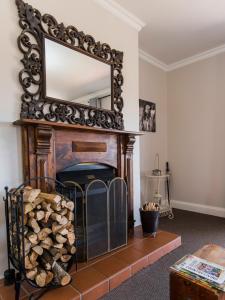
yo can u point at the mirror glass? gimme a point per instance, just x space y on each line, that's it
74 76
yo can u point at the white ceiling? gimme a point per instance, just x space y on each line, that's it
178 29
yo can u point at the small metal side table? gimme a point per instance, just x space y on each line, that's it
163 202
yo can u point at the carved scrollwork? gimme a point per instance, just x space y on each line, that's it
34 104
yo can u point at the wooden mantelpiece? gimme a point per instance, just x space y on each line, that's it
49 147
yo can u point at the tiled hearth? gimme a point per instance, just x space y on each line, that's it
98 277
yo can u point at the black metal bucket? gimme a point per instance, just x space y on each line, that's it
149 221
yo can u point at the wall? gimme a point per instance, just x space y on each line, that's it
90 18
153 87
196 143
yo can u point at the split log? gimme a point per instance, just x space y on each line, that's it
47 243
56 207
71 249
45 264
28 264
27 246
64 203
31 274
65 257
63 231
63 265
63 220
40 278
46 206
31 213
28 207
71 238
37 201
63 212
34 224
70 205
60 239
56 217
43 233
70 227
49 277
29 195
33 257
58 246
39 215
32 237
56 253
70 216
38 249
56 227
60 275
63 251
47 215
51 198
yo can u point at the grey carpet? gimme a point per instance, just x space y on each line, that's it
152 283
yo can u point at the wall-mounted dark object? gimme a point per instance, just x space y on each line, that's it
36 103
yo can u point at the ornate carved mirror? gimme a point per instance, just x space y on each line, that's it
67 76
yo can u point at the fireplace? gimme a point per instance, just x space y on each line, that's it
50 149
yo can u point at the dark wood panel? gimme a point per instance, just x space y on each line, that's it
65 156
89 147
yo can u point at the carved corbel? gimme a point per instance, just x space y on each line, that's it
43 139
44 153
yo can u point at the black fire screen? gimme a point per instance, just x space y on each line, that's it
117 213
97 217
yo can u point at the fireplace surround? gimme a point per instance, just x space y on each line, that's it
49 148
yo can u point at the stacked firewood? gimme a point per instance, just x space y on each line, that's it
49 236
150 206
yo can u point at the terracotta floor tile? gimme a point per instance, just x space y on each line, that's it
65 293
110 266
139 265
118 278
87 278
8 292
96 292
129 255
155 255
151 244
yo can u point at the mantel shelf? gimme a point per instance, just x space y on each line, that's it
25 122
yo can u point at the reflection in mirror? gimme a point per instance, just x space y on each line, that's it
74 76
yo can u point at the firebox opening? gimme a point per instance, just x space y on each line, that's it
84 173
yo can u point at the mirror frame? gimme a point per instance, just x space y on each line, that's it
35 105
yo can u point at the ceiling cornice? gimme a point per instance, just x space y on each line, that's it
197 57
181 63
153 60
123 14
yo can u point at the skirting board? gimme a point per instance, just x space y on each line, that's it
199 208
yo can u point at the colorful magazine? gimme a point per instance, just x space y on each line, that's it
208 273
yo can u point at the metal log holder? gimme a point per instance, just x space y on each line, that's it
14 215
